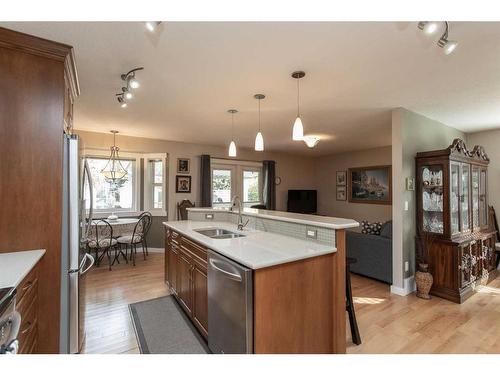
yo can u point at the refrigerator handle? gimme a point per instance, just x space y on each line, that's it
91 194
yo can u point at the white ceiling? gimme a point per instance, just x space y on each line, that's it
355 74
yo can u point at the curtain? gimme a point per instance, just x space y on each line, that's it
206 181
269 186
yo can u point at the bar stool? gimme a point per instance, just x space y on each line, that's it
356 338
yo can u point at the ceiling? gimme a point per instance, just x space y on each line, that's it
355 74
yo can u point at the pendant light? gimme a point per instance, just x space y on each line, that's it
232 145
298 128
259 140
114 170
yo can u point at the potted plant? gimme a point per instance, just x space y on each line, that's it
423 278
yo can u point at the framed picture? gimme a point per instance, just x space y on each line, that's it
183 166
341 178
410 183
341 196
183 184
370 185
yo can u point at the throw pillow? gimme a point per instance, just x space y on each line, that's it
371 228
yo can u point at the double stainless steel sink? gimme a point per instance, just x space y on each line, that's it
218 233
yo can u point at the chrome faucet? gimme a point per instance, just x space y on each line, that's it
237 200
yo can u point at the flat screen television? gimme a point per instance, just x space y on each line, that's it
302 201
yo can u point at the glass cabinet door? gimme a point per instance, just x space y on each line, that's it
464 198
475 197
454 198
483 208
432 198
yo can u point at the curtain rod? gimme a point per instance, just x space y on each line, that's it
232 159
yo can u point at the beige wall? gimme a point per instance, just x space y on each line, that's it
411 133
296 172
490 140
326 168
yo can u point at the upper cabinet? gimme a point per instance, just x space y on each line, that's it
451 191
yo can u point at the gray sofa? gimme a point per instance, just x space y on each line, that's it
372 252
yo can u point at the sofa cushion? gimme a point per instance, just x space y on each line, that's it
371 228
386 230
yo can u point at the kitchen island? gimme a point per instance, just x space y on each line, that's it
297 276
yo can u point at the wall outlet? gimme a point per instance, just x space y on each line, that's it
407 266
406 205
209 216
311 233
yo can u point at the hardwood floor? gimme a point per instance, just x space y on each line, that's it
388 323
393 324
108 324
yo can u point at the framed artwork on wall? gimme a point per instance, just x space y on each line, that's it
341 178
183 166
341 196
183 184
370 185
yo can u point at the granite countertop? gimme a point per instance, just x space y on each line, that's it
16 265
315 220
258 249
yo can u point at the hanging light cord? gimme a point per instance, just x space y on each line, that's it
232 126
259 115
298 94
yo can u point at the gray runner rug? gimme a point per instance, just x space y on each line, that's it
162 328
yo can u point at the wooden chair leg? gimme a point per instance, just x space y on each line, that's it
356 337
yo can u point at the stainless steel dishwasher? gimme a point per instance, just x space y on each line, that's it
230 306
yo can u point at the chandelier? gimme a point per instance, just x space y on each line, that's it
114 170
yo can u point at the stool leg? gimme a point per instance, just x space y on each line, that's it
356 338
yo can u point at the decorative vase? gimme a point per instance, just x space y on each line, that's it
424 281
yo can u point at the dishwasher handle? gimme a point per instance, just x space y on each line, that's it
230 275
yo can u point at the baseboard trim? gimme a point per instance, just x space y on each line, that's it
408 287
156 250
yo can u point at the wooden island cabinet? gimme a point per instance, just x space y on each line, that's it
298 306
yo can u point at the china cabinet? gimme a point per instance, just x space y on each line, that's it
452 219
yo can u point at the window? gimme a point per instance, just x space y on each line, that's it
111 197
230 178
155 184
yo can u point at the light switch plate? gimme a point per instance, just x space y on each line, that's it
209 216
311 233
406 205
407 266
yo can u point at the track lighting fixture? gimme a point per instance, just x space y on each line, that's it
298 128
429 28
259 139
232 145
311 140
129 77
152 26
121 100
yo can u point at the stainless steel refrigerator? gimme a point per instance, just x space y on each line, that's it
75 261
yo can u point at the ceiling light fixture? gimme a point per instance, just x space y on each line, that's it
259 139
152 26
428 27
311 140
448 46
232 145
127 94
121 100
298 128
129 77
114 170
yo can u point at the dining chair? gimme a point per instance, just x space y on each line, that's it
137 237
182 207
103 242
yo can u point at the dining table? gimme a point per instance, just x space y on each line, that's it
120 226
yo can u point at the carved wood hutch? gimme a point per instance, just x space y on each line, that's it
452 219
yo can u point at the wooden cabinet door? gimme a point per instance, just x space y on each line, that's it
172 265
465 265
184 288
200 296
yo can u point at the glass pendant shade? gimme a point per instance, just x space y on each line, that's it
298 130
259 142
232 149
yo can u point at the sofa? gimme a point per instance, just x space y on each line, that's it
373 253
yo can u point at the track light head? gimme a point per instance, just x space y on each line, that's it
449 46
129 77
310 140
152 26
428 27
121 100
